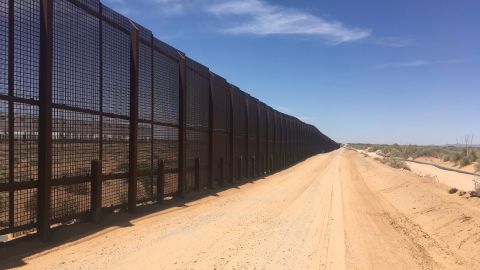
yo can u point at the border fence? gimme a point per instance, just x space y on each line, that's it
96 114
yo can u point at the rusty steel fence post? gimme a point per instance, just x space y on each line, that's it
45 119
96 191
240 168
11 112
210 129
231 138
133 145
182 126
160 180
221 167
197 174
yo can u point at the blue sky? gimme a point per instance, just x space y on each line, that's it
362 71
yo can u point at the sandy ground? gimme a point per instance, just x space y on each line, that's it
458 180
334 211
449 178
448 164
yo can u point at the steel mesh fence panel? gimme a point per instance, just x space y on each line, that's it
26 142
252 136
92 4
166 89
25 207
115 193
4 207
221 129
262 137
270 138
145 162
115 145
69 201
145 83
4 46
76 57
116 71
197 121
240 127
75 142
165 147
4 148
27 43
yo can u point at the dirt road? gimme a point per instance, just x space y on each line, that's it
334 211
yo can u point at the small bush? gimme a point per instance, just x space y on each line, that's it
397 164
453 191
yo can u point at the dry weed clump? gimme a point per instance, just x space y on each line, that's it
396 163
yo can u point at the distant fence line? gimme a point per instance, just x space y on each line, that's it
97 114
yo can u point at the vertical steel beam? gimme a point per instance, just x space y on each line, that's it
152 111
197 174
182 126
160 180
134 89
257 165
96 191
45 118
222 180
247 138
210 129
11 111
101 81
230 138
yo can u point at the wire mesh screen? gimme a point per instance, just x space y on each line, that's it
4 147
240 153
221 129
76 57
270 138
145 162
116 71
26 40
252 136
4 46
262 137
166 85
165 147
197 121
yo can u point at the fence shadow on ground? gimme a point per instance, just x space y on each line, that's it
14 253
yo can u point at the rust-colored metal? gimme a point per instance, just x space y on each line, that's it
133 144
222 178
197 174
45 118
210 130
96 191
182 126
11 112
160 180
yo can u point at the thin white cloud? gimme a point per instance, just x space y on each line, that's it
261 18
416 63
170 7
419 63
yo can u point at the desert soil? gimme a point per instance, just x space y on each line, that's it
333 211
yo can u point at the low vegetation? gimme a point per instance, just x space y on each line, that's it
396 163
460 156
